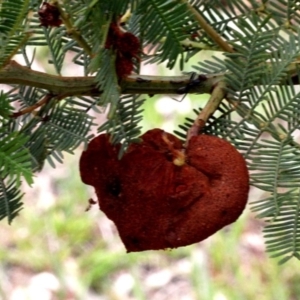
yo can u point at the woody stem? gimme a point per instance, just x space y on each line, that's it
217 95
14 73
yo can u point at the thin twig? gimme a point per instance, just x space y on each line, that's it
187 43
72 31
33 107
214 35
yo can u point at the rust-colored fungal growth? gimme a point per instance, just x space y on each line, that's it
126 45
49 15
158 204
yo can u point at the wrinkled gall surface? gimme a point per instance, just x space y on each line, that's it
160 197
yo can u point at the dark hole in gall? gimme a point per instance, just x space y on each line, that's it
169 156
114 187
223 213
134 241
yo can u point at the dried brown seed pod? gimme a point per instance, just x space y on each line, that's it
157 203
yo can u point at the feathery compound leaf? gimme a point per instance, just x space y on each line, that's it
246 72
55 45
116 7
275 164
14 157
12 15
268 104
282 233
37 146
123 124
5 107
63 128
213 66
25 97
220 126
164 25
218 16
10 200
107 80
284 11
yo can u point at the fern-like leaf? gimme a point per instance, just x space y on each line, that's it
10 199
219 126
164 25
123 125
282 233
62 128
55 46
107 80
5 107
14 157
12 36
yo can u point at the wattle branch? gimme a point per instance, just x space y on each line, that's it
61 87
14 73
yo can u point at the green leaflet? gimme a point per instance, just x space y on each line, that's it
10 199
12 35
55 41
61 128
123 125
14 157
220 126
282 233
5 107
106 79
164 26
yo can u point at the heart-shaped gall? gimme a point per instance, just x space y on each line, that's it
158 203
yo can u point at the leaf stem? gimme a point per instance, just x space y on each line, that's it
72 31
214 35
187 43
30 109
